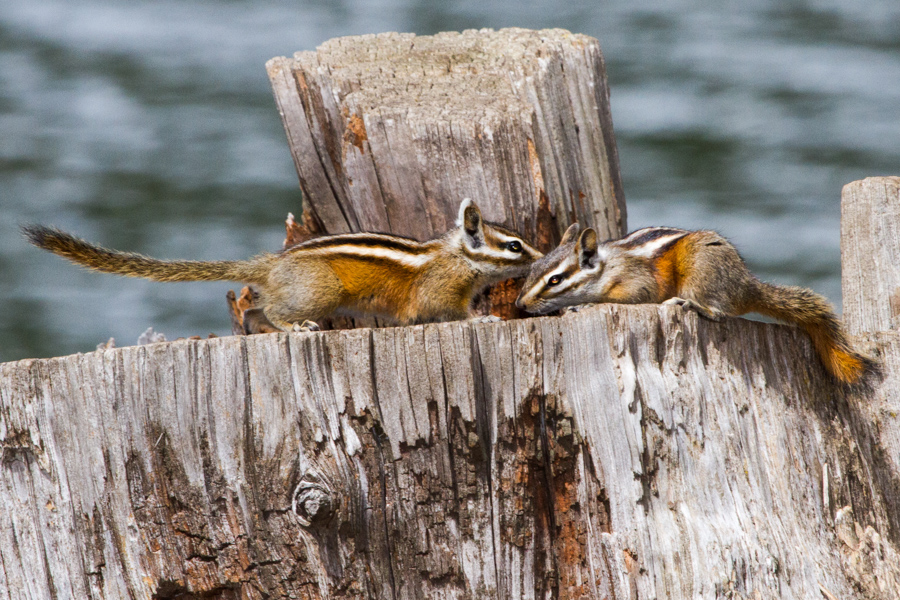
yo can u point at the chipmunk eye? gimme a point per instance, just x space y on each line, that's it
514 246
554 280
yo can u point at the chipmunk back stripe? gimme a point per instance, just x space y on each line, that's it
482 253
401 257
646 235
656 244
393 242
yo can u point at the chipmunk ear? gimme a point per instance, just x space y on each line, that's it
570 234
586 248
471 222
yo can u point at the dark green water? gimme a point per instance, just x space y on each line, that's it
150 126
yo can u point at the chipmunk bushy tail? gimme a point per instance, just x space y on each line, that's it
131 264
812 313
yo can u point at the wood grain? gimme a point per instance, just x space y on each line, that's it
390 132
870 254
617 452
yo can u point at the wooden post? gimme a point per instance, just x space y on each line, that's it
870 256
390 132
870 253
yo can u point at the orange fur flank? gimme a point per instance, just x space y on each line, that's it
684 252
375 287
382 287
671 268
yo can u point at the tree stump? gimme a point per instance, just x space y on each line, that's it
390 132
620 452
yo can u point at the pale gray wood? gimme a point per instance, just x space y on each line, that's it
870 254
390 132
616 452
870 259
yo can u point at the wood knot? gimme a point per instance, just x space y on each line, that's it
313 500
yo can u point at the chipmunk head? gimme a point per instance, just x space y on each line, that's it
555 280
497 252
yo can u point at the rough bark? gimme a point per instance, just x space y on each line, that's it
389 132
621 452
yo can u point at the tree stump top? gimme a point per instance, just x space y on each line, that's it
421 77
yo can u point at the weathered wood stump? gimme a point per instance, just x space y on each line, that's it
870 257
390 132
627 452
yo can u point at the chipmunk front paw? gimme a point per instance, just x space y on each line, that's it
577 307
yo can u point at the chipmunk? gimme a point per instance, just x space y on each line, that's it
698 270
347 274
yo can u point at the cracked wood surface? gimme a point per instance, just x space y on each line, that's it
390 132
618 452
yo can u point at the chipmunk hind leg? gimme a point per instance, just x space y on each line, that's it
299 291
713 279
255 321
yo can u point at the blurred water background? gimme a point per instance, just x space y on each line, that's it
150 126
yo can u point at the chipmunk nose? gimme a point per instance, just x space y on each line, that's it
519 302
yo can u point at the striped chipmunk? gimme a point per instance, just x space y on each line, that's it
351 274
699 270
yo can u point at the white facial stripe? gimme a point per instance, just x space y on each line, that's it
573 281
500 240
560 270
495 246
544 286
650 248
527 296
403 258
554 274
502 237
496 253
